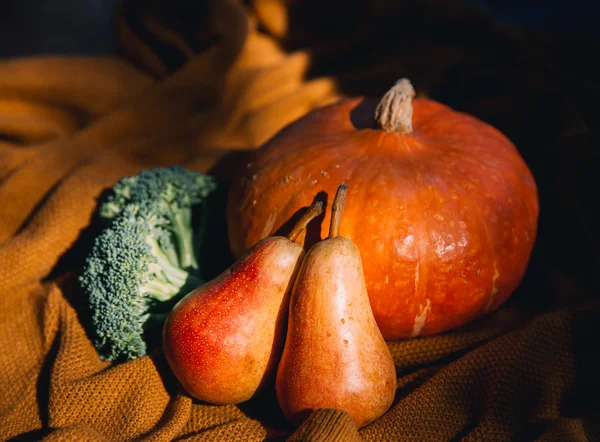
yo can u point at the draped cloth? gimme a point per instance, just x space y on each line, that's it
202 83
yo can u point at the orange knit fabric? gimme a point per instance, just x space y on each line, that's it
200 83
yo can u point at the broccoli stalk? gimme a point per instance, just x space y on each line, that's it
167 279
181 221
143 262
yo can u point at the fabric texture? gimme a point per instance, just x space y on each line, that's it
201 83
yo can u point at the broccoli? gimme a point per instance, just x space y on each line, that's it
171 192
143 261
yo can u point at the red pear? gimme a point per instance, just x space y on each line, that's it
223 340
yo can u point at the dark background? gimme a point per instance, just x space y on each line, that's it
30 27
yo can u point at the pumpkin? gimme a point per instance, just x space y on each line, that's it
441 205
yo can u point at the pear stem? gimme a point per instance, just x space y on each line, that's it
337 209
394 112
313 211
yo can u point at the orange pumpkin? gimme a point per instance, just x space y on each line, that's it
441 205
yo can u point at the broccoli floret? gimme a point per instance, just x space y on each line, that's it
171 192
136 270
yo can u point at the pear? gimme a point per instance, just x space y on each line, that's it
334 354
223 340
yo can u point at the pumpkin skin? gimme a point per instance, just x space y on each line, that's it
445 217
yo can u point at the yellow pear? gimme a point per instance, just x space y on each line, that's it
334 354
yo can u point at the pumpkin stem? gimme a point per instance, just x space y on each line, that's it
394 111
336 210
313 211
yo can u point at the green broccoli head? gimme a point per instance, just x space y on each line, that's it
143 261
131 283
170 193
